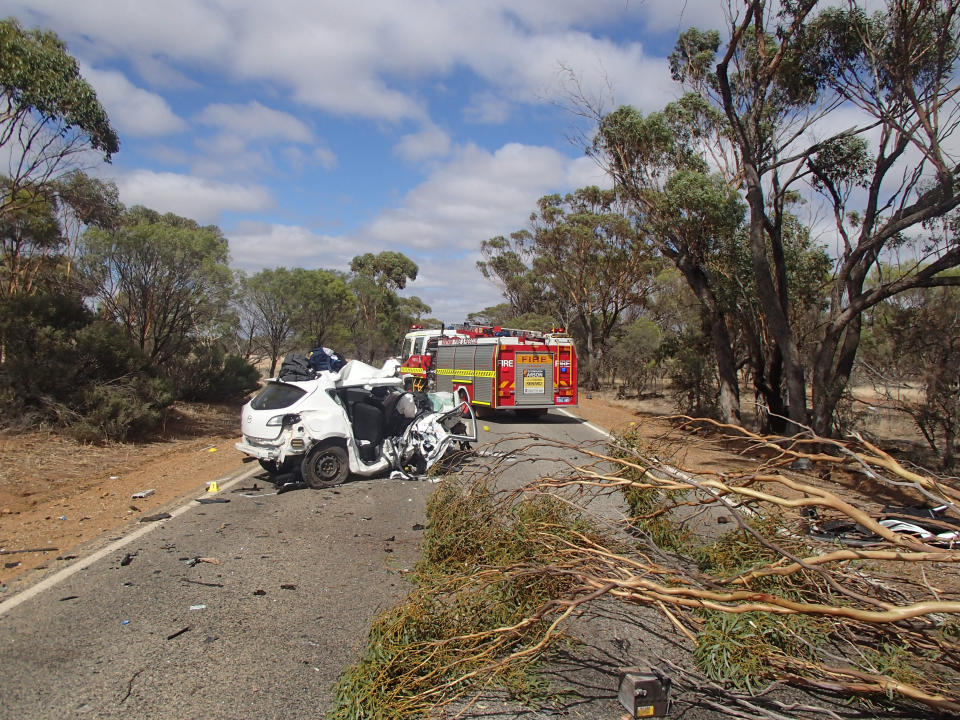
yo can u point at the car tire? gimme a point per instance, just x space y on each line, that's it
325 466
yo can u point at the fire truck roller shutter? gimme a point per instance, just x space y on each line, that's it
463 360
484 377
445 355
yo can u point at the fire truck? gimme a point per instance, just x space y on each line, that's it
500 368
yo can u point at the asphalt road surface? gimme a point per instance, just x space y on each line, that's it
263 631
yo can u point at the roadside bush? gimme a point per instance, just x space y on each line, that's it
479 574
64 366
209 374
121 410
634 354
692 370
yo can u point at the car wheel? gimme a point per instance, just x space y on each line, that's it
271 466
325 466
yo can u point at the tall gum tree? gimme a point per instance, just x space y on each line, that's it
582 262
379 317
50 119
687 213
785 76
164 279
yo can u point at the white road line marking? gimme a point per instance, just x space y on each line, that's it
588 424
61 575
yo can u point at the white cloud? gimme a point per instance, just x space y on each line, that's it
584 171
454 289
488 109
255 245
255 121
325 157
440 224
429 142
159 73
133 110
192 197
667 15
355 59
475 196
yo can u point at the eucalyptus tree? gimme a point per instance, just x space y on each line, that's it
588 252
163 278
379 320
507 263
766 105
582 263
50 119
689 214
782 77
268 306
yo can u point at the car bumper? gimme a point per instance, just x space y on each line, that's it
263 451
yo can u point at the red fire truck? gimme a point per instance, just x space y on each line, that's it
501 368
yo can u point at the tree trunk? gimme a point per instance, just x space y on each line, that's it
767 382
770 302
729 400
833 364
716 327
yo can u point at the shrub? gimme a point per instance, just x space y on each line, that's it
209 374
63 365
121 410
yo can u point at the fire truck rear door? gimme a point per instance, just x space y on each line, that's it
534 378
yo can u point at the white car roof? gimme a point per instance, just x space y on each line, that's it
355 373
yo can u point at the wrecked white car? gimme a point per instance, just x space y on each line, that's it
359 420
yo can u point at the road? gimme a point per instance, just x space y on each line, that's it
146 631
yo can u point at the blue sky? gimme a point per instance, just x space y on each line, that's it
312 131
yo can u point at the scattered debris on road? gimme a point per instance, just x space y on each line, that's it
194 561
155 518
18 551
178 633
200 582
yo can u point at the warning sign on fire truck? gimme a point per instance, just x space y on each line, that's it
534 381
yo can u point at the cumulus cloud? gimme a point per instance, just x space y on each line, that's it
133 110
255 121
429 142
487 109
325 157
354 59
256 245
198 198
476 195
473 196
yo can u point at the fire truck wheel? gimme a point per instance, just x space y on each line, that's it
325 466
